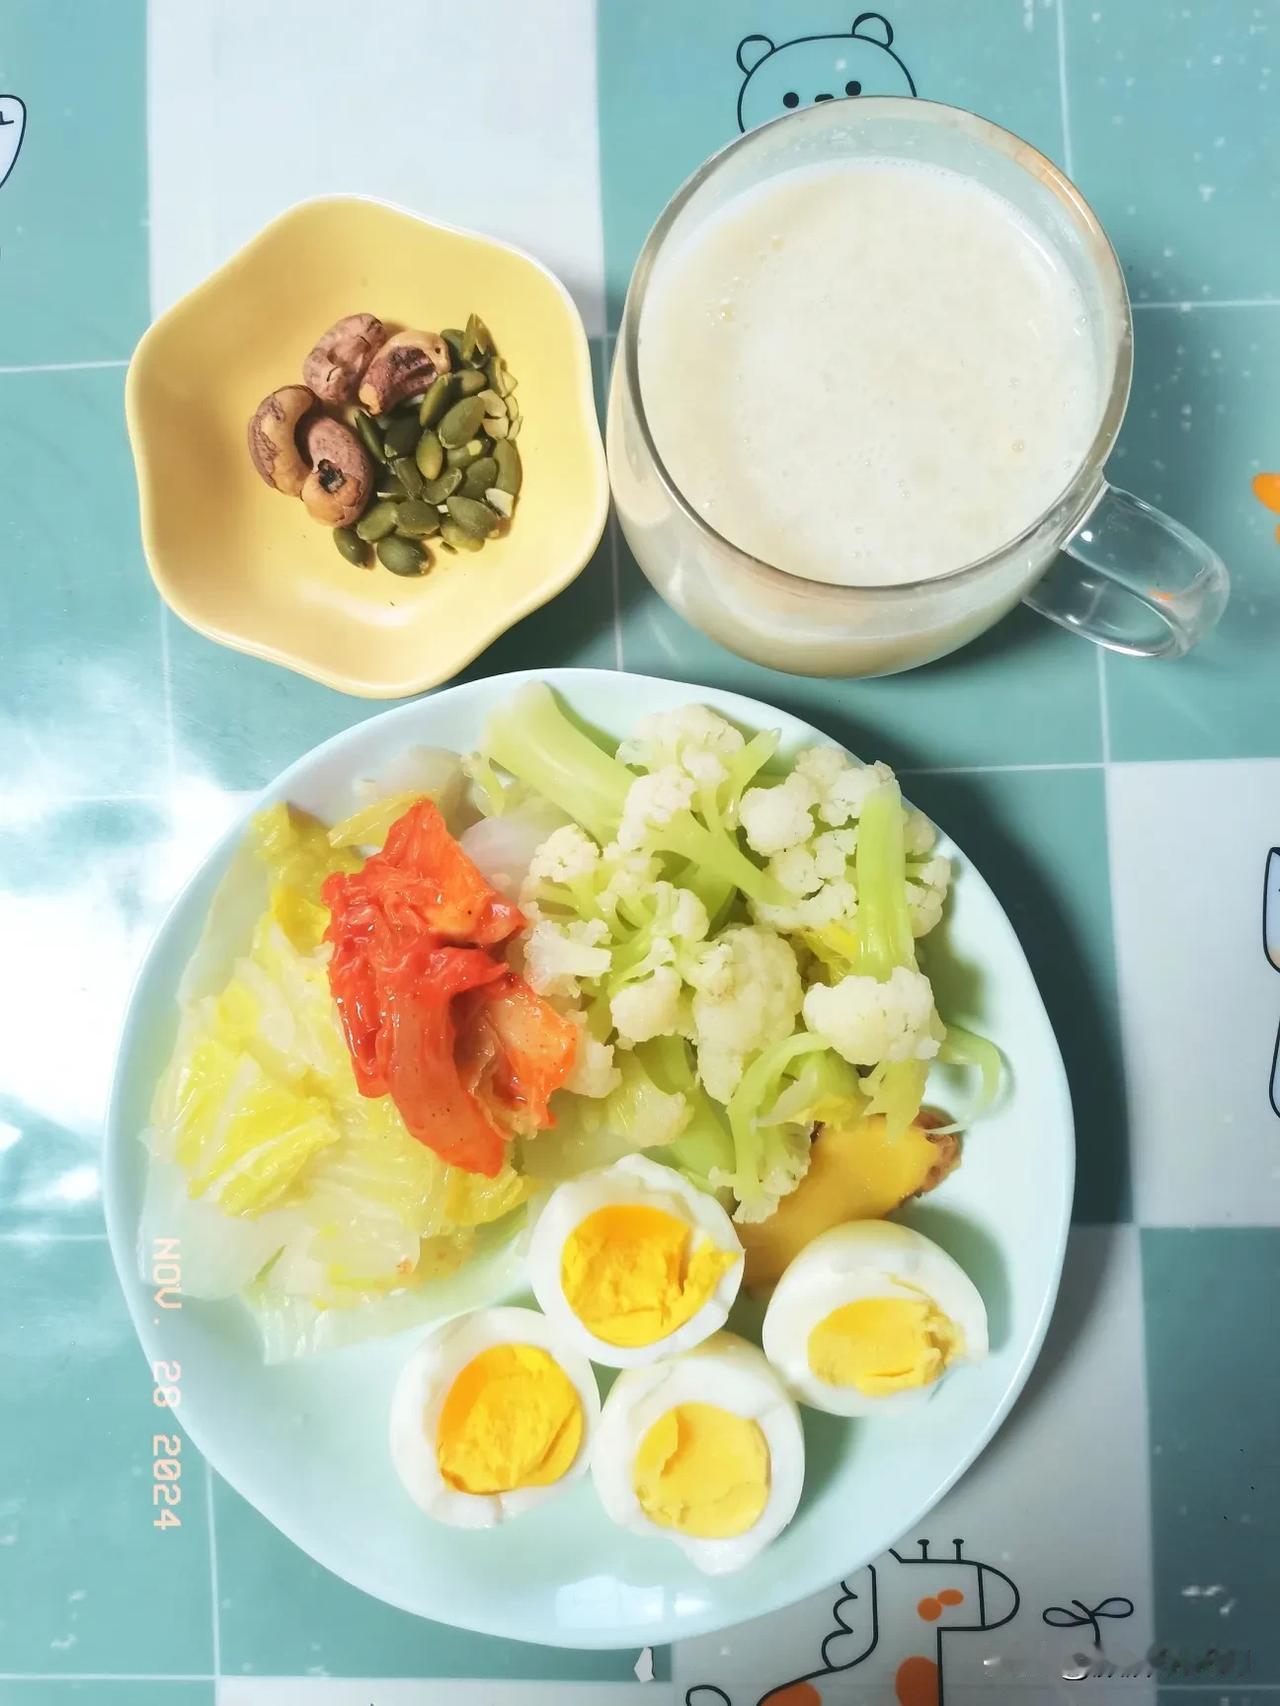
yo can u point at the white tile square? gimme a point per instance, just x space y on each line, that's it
1199 1003
1059 1505
252 107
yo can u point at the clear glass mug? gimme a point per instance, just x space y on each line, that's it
1130 577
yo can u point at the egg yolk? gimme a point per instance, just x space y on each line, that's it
512 1418
632 1274
880 1345
703 1471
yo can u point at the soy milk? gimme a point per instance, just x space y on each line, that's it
868 372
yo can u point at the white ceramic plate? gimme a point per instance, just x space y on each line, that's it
305 1442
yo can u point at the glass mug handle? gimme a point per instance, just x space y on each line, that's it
1133 579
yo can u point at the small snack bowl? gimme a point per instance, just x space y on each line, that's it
248 566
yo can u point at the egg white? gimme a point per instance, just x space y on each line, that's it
425 1382
862 1259
631 1181
732 1374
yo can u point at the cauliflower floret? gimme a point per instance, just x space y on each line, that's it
747 993
926 893
787 1163
684 917
819 878
694 739
675 925
797 870
803 870
594 1073
566 856
841 783
653 800
649 1007
867 1022
776 818
557 956
713 973
650 1000
833 903
632 876
919 834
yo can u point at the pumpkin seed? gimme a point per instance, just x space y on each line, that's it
502 501
472 515
429 456
476 340
402 436
453 336
385 420
401 556
470 382
479 476
369 435
459 538
390 488
463 455
436 399
498 377
405 470
461 421
352 547
376 522
510 473
436 491
497 426
416 520
493 403
513 431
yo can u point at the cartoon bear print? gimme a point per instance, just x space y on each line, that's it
818 68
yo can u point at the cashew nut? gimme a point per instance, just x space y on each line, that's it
405 364
273 441
337 488
337 363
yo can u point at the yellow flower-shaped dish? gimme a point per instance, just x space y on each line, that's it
247 566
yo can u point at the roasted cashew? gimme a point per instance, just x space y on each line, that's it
273 440
337 363
405 365
337 488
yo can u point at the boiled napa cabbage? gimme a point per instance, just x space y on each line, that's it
259 1114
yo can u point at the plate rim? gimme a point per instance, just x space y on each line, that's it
122 1237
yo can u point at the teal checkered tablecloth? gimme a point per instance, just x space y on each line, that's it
1123 811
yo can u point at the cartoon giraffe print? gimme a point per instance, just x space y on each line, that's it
960 1595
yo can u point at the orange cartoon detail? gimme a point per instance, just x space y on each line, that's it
916 1683
1266 488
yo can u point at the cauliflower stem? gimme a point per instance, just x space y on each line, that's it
531 737
964 1048
703 1151
769 1160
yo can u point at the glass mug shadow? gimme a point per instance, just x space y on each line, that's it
1098 561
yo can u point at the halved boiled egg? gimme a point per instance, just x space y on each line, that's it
869 1317
491 1415
705 1449
631 1262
